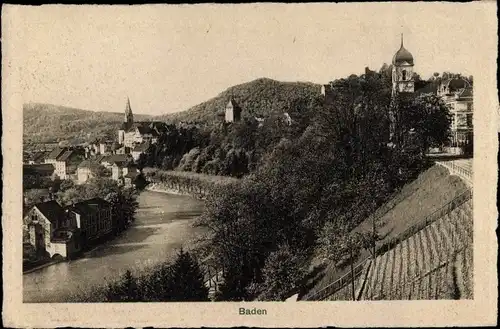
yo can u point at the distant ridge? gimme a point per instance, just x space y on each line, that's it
259 97
43 123
50 123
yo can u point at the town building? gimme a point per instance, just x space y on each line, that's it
105 147
37 157
49 231
93 218
88 169
65 162
124 172
457 94
108 161
129 179
139 149
233 111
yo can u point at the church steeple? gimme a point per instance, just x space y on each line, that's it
129 118
401 40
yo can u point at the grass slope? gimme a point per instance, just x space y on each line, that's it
259 97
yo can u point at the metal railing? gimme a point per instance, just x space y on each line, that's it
339 284
457 169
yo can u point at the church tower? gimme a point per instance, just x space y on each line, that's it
402 71
402 84
128 121
129 118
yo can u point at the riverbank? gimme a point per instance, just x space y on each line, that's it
153 187
192 184
42 265
163 224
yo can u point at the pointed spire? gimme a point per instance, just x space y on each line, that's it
127 108
401 40
128 113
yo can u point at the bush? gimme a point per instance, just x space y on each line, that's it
283 271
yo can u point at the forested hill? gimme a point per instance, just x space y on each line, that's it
259 98
52 123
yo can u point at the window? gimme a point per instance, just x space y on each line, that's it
404 74
461 121
469 120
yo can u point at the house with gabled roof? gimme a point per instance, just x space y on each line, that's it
54 154
64 160
50 232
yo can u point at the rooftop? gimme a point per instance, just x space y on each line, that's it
55 153
90 206
41 168
65 156
141 147
116 158
91 164
51 210
402 56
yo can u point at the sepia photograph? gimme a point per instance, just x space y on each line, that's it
249 153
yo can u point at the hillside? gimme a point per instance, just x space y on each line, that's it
433 188
51 123
257 98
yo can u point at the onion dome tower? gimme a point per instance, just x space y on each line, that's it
402 71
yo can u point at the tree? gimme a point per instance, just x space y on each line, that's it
187 281
282 271
66 184
424 122
124 290
34 196
140 182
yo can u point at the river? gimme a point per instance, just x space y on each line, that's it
162 225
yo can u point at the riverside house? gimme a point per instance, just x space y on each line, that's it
93 218
49 231
56 231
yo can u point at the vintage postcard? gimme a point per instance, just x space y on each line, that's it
265 165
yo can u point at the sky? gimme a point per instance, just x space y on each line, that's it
167 58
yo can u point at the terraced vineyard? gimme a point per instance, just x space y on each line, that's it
434 263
